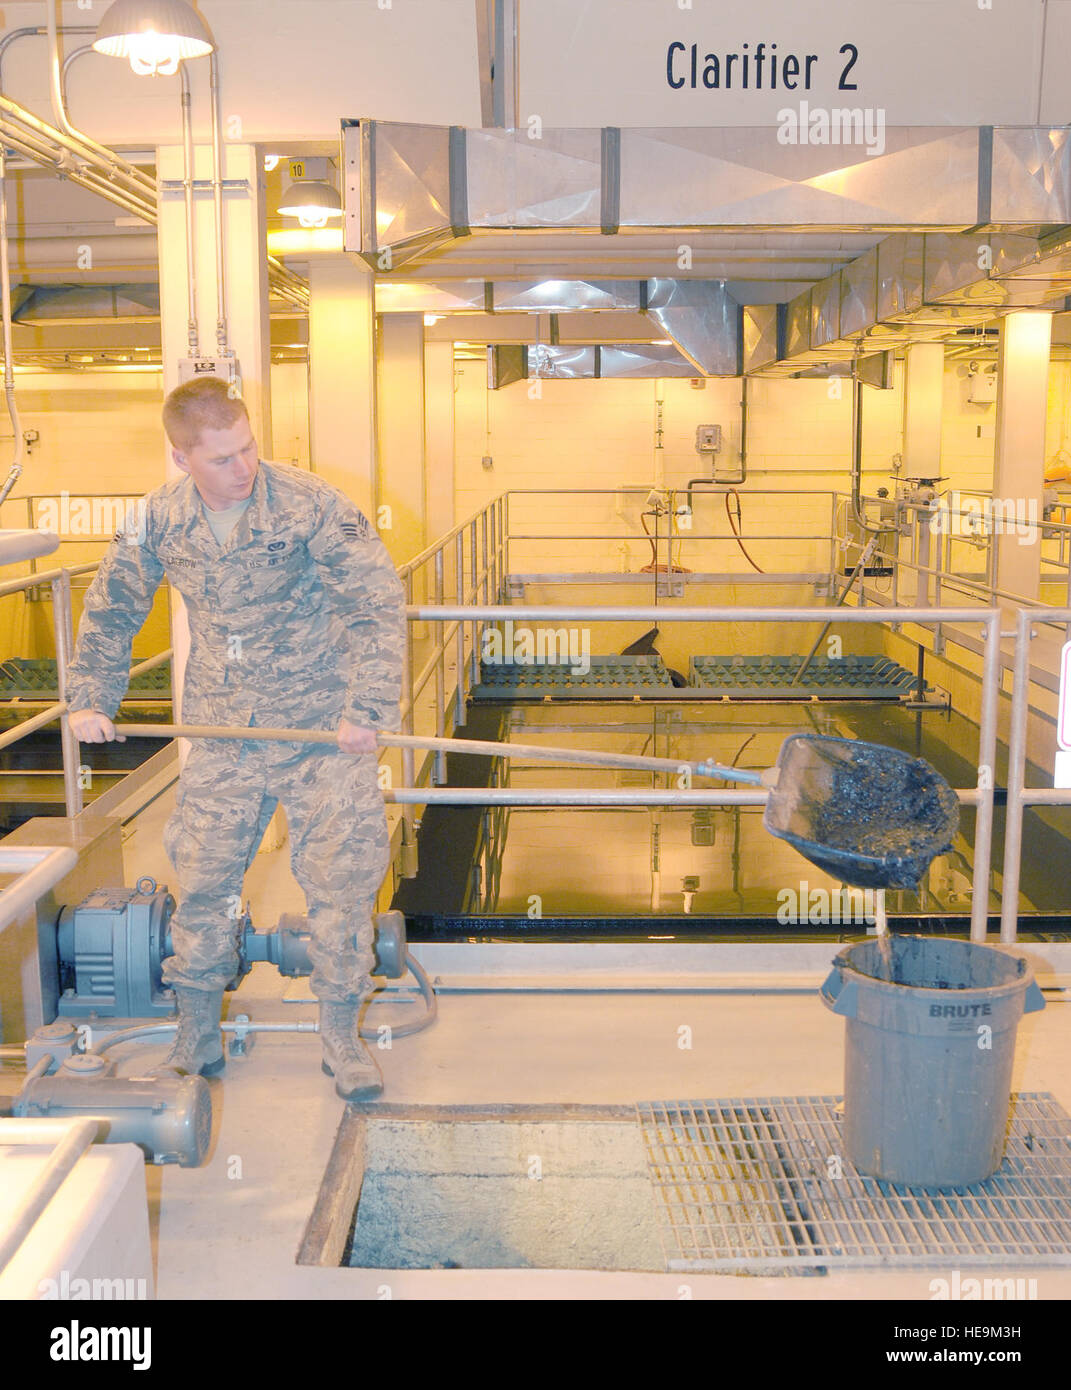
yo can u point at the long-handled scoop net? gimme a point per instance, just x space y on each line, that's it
868 815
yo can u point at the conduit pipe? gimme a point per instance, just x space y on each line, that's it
109 178
68 151
59 109
192 341
217 201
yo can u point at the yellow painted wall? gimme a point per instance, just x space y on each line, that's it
100 433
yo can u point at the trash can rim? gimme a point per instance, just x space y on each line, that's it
1021 981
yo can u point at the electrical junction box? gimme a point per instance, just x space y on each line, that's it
226 368
982 388
707 439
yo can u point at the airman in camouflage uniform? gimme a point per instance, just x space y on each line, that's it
297 621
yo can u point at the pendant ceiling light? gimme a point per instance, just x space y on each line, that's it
312 202
153 34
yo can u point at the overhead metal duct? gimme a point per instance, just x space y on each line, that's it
564 296
434 198
89 302
702 319
761 335
411 185
508 363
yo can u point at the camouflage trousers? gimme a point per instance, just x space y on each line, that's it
339 852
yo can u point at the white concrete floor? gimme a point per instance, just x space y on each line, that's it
231 1229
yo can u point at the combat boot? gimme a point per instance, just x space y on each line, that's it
198 1045
357 1077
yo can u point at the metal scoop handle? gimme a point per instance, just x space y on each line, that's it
707 768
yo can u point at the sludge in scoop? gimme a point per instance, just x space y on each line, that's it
871 816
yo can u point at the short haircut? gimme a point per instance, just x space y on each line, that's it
203 403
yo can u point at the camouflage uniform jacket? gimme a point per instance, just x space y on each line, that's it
297 620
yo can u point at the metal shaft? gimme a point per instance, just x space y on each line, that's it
450 745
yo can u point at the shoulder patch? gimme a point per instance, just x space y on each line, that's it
358 529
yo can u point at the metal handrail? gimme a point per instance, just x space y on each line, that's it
1019 795
71 1143
40 867
981 796
59 581
478 552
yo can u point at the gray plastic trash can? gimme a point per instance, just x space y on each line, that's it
928 1056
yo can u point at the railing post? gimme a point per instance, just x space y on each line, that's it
64 634
505 537
408 757
474 655
1067 598
484 577
833 537
440 672
492 522
938 553
987 758
459 659
1013 815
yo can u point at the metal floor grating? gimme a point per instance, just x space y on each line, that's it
748 1186
36 679
606 677
826 678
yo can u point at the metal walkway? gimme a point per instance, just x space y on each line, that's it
759 1186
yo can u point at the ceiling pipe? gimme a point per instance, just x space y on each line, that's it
59 109
68 151
110 175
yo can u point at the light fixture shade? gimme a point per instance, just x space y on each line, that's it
129 24
310 197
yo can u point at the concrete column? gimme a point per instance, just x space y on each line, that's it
439 437
342 391
400 406
246 279
924 379
1019 457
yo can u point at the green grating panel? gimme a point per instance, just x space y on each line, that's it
759 1186
36 680
826 678
607 677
